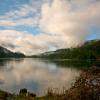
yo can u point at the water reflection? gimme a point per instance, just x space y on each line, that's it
34 74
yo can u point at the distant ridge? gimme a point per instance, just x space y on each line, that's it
5 53
89 50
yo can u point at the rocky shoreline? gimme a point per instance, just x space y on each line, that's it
86 87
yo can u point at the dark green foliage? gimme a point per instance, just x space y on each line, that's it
5 53
18 55
23 91
90 50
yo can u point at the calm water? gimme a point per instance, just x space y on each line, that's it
34 74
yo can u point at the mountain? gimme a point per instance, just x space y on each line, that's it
89 50
5 53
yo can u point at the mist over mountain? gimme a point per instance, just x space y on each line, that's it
89 50
38 26
5 53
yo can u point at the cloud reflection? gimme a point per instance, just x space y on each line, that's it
35 75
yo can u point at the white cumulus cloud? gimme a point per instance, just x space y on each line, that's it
65 23
73 26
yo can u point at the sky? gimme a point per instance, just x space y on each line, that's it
36 26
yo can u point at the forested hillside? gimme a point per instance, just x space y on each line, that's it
5 53
90 50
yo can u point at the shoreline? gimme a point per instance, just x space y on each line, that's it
86 87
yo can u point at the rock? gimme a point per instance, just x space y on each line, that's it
31 94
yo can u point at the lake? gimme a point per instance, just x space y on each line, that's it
36 75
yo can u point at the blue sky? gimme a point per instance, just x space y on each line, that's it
7 5
42 25
12 5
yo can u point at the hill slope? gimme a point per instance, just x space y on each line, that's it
90 50
5 53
